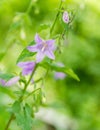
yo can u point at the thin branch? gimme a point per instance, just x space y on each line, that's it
57 15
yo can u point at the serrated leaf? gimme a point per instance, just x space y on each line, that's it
28 118
25 53
57 68
23 115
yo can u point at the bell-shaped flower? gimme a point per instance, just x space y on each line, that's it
65 17
43 48
10 82
27 67
59 75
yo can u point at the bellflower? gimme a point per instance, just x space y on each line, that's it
43 48
59 75
27 67
10 82
65 17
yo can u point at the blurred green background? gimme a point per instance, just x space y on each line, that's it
71 105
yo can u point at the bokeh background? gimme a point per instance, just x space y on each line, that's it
71 105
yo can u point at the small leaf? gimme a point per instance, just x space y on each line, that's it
25 53
23 115
7 91
6 76
37 99
16 107
14 26
28 118
57 68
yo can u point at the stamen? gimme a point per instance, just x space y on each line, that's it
44 46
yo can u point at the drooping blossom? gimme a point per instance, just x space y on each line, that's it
43 48
65 17
10 82
59 75
27 67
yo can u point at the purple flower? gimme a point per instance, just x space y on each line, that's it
59 75
43 48
10 82
65 17
27 67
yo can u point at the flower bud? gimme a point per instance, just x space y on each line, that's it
65 17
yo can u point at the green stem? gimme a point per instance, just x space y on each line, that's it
29 7
21 98
26 85
9 122
31 93
52 27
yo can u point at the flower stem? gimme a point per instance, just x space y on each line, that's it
29 7
26 85
21 98
32 93
52 27
9 122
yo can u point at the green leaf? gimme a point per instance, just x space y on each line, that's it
16 107
27 118
43 27
25 53
6 76
37 99
7 91
23 115
2 54
14 26
57 68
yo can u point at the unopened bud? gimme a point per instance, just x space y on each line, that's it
65 17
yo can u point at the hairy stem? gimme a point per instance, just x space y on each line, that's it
21 98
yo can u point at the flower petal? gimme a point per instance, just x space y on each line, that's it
27 71
2 82
51 44
12 81
22 64
39 57
66 17
27 67
37 38
59 75
50 41
33 48
50 54
26 64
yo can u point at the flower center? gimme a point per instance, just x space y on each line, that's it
44 46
